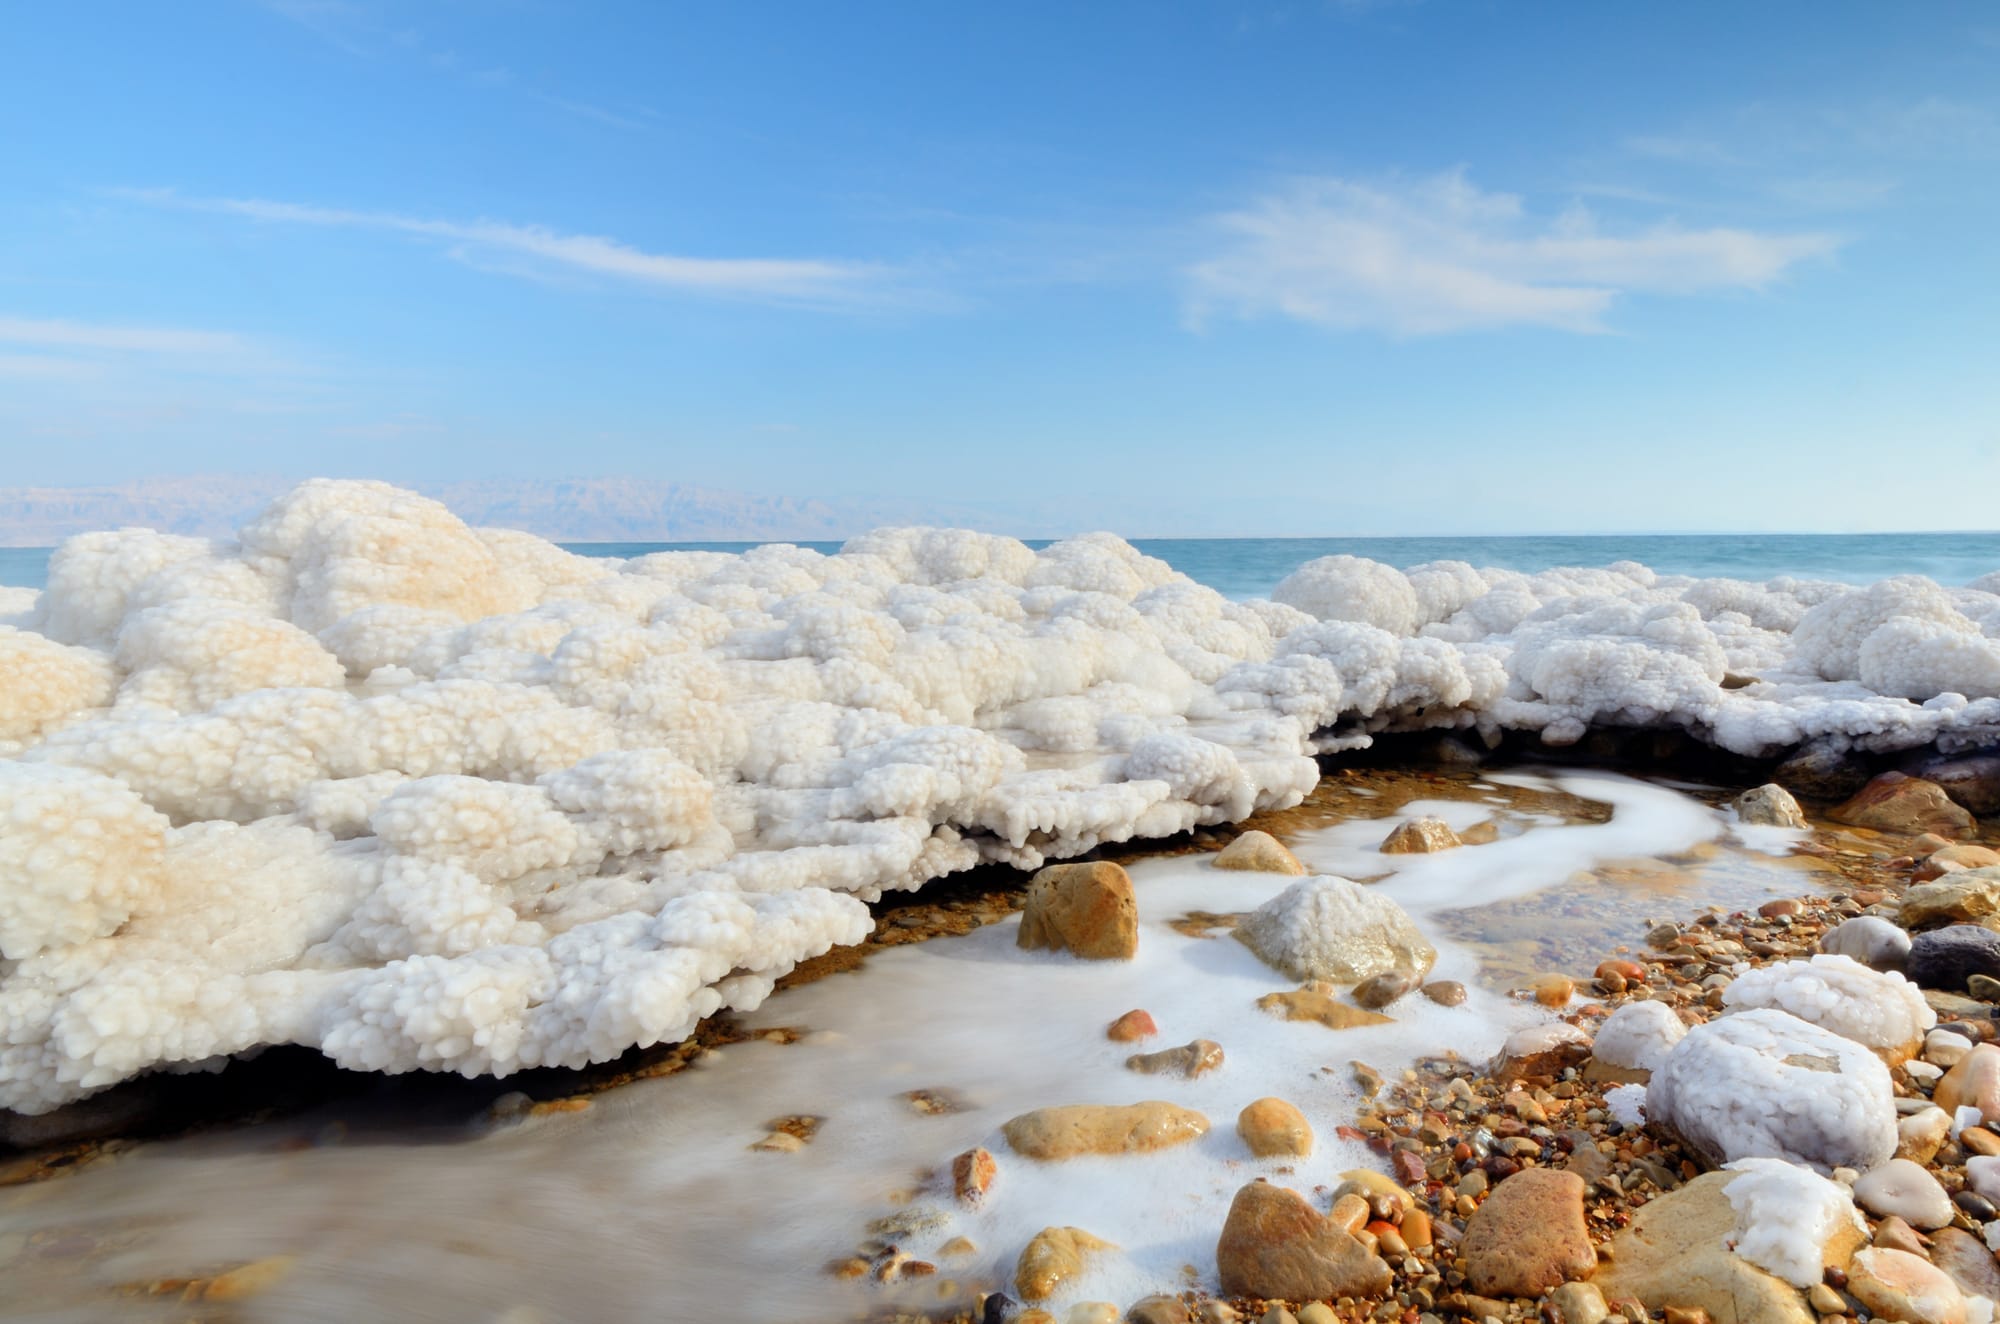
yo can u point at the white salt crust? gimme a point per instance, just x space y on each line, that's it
428 796
1785 1215
1837 993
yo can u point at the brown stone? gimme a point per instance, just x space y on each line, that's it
1087 909
1274 1128
1195 1058
1312 1003
1420 836
1259 852
972 1173
1552 990
1090 1128
1895 802
1378 991
1896 1285
1445 992
1054 1257
1275 1246
1966 1261
1973 1083
1132 1026
1156 1309
1529 1237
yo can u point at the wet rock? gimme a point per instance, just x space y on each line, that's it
1903 1189
1896 1285
1871 940
1676 1255
1132 1026
1379 991
1894 802
1420 836
1973 1083
972 1175
1769 805
1273 1128
1579 1303
1055 1256
1946 1048
1948 958
1087 909
1331 929
1159 1309
1892 1233
116 1111
1971 780
1315 1002
1966 1261
1955 858
1919 1136
1540 1052
1553 990
1969 896
1089 1128
1195 1058
1822 770
1445 992
1259 852
1275 1246
1529 1236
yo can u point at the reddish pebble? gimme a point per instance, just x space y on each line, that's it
972 1174
1409 1167
1773 909
1134 1024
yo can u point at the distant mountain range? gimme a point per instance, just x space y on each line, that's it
567 510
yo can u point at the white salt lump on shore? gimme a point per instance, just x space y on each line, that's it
1765 1084
1881 1010
1638 1035
1785 1216
1329 928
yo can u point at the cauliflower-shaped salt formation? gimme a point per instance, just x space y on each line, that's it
77 853
1785 1216
44 684
1765 1084
1329 928
1638 1036
1883 1011
1353 588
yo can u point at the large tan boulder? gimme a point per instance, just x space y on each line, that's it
1964 896
1676 1254
1529 1237
1894 802
1087 909
1275 1246
1259 852
1097 1128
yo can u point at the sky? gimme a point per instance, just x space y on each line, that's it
1326 268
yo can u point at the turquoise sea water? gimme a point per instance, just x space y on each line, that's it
1250 567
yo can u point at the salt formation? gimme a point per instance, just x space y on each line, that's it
1638 1036
428 796
1785 1216
1881 1010
1765 1084
1331 929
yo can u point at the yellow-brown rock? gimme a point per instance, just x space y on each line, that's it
1965 896
1259 852
1896 1285
1273 1128
972 1175
1894 802
1420 836
1275 1246
1529 1237
1195 1058
1094 1128
1315 1003
1973 1083
1054 1257
1087 909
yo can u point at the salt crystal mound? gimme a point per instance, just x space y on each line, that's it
1876 1009
1329 928
1638 1036
1785 1216
1765 1084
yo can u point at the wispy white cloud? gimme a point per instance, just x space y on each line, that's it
56 333
785 280
1438 255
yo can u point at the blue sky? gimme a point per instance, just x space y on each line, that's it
1309 268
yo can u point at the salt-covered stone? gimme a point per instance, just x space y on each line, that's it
1329 928
1883 1011
1769 805
1869 939
1786 1217
1638 1035
1904 1189
1921 1134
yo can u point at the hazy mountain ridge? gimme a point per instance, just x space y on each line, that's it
568 510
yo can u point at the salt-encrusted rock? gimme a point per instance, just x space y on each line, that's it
1966 896
1966 1261
1420 836
1274 1128
1091 1128
1259 852
1637 1037
1329 928
1896 1285
1823 770
1540 1052
1920 1135
1895 802
1786 1218
972 1175
1275 1246
1132 1026
1973 1083
1676 1254
1316 1002
1055 1256
1885 1012
1972 780
1579 1303
1769 805
1765 1084
1195 1058
1087 909
1947 959
1982 1176
1869 939
1902 1188
1529 1235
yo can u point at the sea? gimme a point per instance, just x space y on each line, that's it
1252 567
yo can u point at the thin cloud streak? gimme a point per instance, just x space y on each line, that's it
56 333
1439 255
783 280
